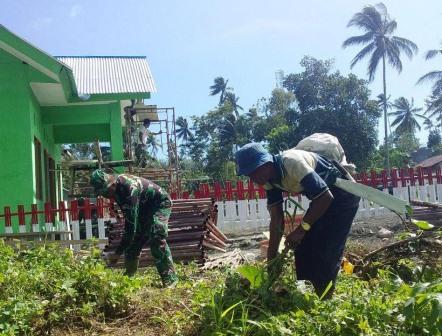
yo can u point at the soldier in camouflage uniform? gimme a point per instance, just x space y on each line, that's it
146 208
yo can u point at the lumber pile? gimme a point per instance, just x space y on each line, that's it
426 211
192 232
230 259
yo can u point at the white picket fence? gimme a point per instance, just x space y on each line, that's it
251 216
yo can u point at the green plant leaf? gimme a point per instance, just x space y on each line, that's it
225 312
254 274
330 284
424 225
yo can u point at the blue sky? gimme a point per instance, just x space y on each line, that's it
189 43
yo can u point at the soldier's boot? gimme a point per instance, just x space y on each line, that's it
131 266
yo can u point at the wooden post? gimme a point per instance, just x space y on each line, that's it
21 218
75 223
48 223
100 219
8 221
34 218
88 217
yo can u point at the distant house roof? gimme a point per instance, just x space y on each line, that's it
110 74
430 162
421 154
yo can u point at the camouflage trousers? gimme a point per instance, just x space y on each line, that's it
152 228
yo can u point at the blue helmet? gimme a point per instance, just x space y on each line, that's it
250 157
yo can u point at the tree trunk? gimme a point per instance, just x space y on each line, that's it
387 147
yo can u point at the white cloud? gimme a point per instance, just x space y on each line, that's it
75 11
42 22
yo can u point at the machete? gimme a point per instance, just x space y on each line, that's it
386 200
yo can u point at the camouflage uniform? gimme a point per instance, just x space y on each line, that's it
146 208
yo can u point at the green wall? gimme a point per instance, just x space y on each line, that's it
22 118
16 148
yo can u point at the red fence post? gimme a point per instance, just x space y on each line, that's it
229 191
429 175
251 194
217 191
438 175
420 176
373 179
240 190
411 176
7 212
87 209
197 194
34 214
74 210
394 178
21 214
100 207
364 178
61 211
206 190
48 216
402 177
384 177
185 195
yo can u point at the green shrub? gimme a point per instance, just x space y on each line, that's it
47 286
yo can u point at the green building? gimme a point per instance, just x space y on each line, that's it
46 101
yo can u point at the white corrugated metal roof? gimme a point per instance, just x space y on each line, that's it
110 74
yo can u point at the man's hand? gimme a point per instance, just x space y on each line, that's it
295 237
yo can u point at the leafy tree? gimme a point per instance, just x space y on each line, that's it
405 142
219 87
434 139
398 158
183 132
332 103
280 102
380 45
280 139
406 116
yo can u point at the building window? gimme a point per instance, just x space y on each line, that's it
37 162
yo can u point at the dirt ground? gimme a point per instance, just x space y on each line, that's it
363 237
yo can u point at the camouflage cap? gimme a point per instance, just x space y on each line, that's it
100 180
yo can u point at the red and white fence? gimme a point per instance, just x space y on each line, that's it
241 206
68 220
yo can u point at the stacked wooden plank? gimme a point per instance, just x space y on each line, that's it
426 211
192 232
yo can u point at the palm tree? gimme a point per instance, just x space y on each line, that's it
434 105
428 124
233 100
434 102
381 101
406 116
183 132
433 76
219 87
381 45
